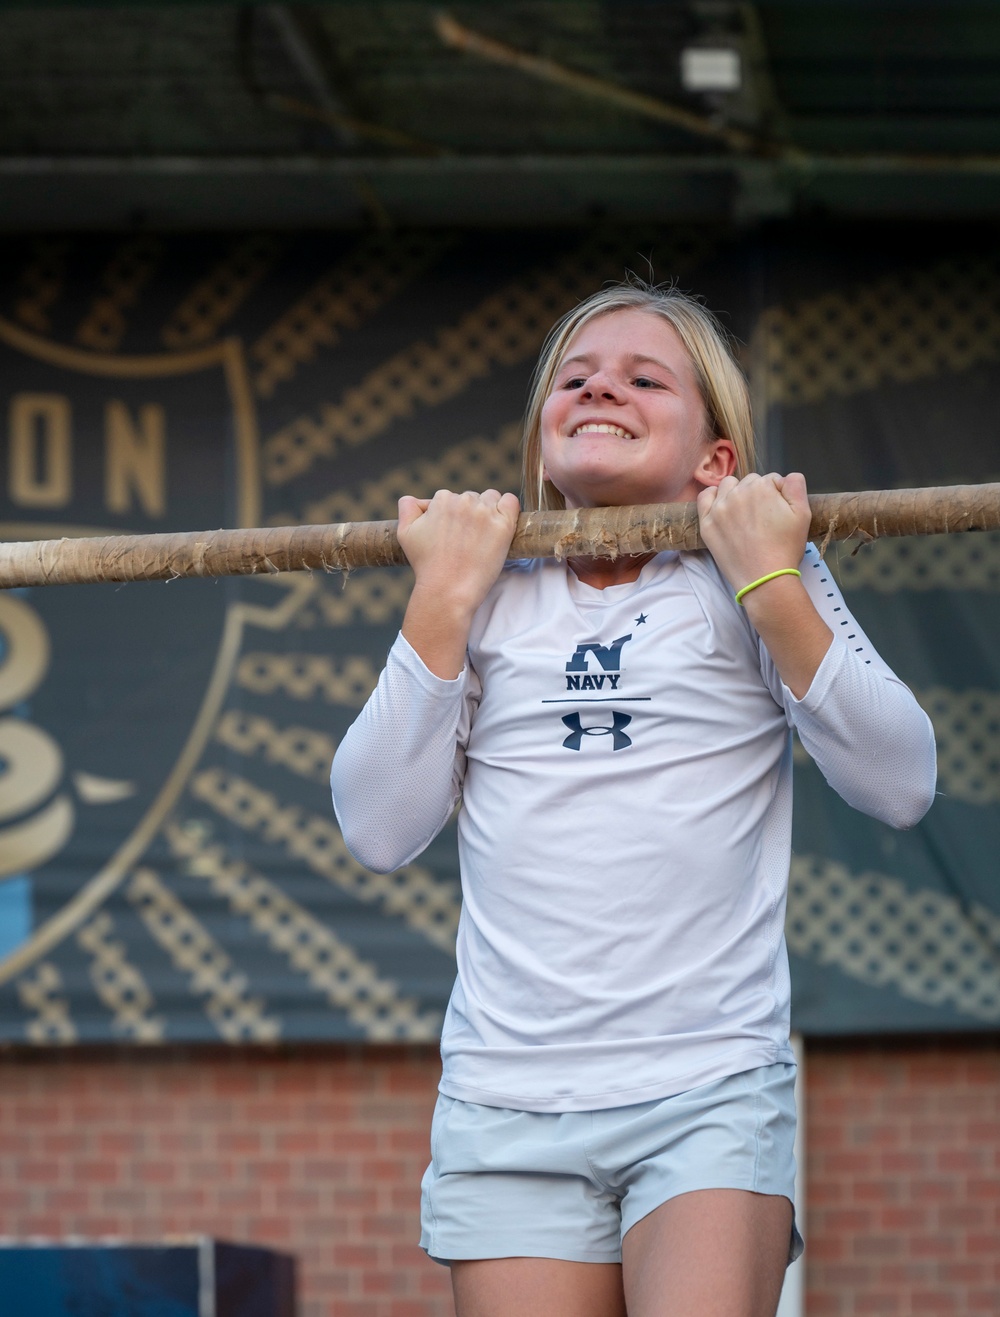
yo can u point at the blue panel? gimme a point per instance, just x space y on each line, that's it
15 912
100 1282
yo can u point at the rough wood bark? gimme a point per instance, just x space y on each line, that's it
587 532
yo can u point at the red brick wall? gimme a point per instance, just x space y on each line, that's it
903 1179
320 1152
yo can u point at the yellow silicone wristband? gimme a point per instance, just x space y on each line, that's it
784 571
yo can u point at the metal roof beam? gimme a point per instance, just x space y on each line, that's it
445 165
238 192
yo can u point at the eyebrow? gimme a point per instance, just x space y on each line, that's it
633 358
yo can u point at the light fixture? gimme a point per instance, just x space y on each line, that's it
710 68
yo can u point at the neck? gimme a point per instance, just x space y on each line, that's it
602 572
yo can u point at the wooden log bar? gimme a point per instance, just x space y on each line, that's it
585 532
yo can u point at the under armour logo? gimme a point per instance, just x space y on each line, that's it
617 730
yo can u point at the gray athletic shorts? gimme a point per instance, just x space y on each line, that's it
568 1185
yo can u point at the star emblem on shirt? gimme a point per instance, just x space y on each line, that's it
640 619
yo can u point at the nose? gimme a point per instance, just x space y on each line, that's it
602 384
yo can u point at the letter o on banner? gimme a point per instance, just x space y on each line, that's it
40 471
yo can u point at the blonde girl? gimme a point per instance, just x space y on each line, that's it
615 1121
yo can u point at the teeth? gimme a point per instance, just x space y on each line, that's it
603 429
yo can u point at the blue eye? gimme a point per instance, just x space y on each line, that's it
643 382
577 382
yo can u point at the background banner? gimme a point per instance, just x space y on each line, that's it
170 867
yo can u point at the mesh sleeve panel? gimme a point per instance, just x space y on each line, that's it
868 735
398 771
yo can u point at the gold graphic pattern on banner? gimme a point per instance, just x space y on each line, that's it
82 904
412 893
922 562
309 676
42 282
193 950
104 325
119 984
374 596
306 752
477 463
40 992
216 298
350 984
341 300
967 729
923 944
502 330
911 325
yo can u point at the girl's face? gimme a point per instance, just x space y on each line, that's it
625 421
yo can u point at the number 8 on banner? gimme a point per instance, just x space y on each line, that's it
31 762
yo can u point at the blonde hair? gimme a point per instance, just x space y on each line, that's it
721 382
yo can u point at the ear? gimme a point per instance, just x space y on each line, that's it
718 462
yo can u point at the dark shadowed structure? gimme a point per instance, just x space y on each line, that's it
271 264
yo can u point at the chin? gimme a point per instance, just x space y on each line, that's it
614 496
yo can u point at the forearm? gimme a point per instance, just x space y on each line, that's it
861 725
456 545
436 626
794 634
397 771
756 531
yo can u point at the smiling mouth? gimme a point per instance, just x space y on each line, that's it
594 428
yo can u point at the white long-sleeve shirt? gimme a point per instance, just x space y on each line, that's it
624 762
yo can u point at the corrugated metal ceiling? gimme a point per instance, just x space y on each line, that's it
342 113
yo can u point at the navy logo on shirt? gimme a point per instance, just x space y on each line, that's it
609 657
594 666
